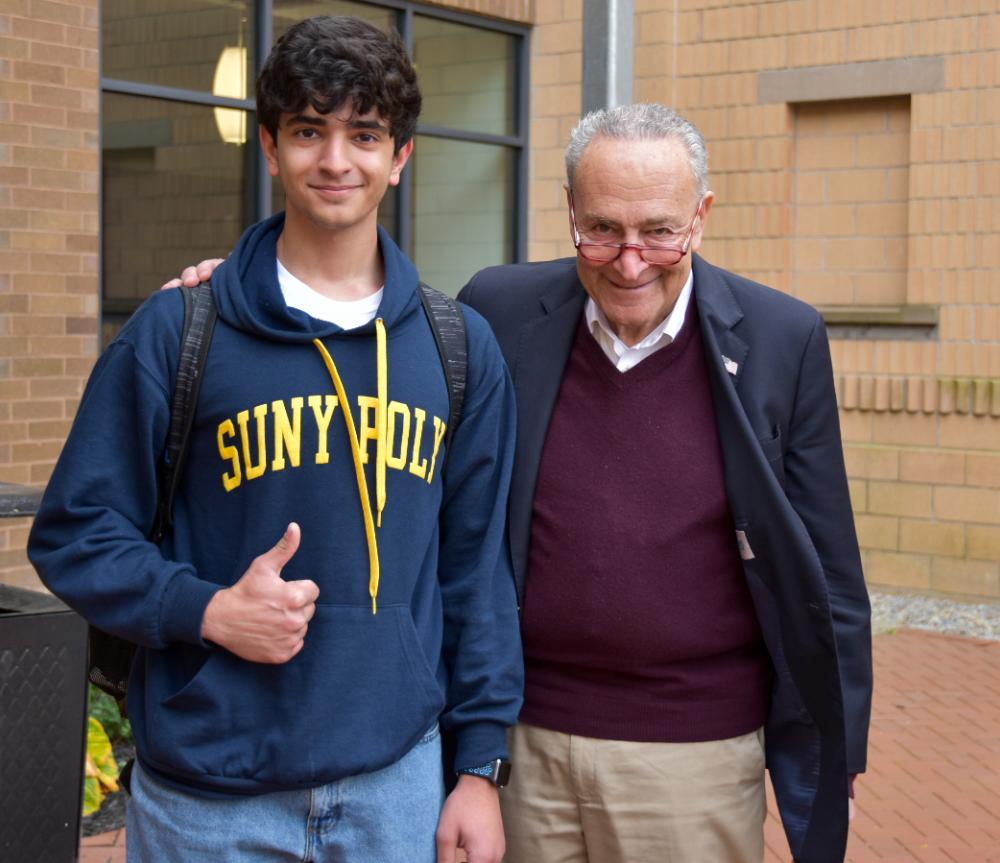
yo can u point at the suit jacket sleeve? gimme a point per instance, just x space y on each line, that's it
816 485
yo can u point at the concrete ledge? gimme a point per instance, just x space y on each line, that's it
18 501
887 316
851 81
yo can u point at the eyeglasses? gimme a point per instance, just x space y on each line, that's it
664 254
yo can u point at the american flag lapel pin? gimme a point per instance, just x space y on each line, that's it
730 365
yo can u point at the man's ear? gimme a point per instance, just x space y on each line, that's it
399 162
569 208
698 234
270 148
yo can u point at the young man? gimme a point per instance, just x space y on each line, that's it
286 704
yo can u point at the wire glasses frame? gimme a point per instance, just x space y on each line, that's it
604 253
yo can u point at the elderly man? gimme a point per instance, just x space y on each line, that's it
692 596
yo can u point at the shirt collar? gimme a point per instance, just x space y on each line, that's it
668 328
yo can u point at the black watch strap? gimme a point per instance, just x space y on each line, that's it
496 771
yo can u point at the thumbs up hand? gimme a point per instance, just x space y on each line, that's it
263 618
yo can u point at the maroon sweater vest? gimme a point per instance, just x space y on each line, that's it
638 624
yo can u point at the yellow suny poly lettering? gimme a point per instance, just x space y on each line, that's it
243 445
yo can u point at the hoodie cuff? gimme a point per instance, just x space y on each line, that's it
479 743
183 608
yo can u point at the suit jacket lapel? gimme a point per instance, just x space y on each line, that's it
719 313
542 352
726 355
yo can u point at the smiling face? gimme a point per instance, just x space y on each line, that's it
335 168
627 192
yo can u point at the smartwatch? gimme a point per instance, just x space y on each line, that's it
496 771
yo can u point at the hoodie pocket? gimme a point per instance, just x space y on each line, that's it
356 698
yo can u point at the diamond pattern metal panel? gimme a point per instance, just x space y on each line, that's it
42 722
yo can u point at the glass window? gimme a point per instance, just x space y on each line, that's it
466 76
173 193
463 209
192 44
288 12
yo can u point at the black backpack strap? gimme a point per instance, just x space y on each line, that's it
448 325
110 656
199 322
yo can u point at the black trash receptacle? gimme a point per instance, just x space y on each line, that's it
43 706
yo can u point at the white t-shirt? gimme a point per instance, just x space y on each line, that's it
346 314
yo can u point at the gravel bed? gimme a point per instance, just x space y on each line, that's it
898 610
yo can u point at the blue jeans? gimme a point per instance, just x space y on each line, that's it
388 816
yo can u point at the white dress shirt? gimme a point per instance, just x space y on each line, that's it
622 356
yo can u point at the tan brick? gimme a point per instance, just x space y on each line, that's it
982 469
906 429
16 473
983 543
42 388
973 578
45 73
897 498
50 430
63 13
930 537
872 462
932 466
30 367
25 453
859 494
976 505
831 152
898 570
856 426
39 409
970 432
877 531
40 474
38 31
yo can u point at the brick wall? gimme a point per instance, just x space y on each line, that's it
48 239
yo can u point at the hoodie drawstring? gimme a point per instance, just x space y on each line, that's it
381 419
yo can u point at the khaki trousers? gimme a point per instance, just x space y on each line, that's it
581 800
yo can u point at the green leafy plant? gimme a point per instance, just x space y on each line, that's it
101 770
105 727
105 710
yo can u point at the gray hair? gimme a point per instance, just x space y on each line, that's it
639 122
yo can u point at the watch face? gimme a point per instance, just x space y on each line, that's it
501 775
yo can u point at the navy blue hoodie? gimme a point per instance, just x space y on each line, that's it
416 619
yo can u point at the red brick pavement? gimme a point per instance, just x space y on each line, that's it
932 790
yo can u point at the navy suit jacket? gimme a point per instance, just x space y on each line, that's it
776 411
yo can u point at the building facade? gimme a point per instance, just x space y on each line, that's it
854 151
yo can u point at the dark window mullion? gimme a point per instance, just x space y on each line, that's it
432 131
173 94
404 199
256 163
522 91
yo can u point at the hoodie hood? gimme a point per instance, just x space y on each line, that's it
249 298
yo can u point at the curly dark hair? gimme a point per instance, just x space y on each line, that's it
331 60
